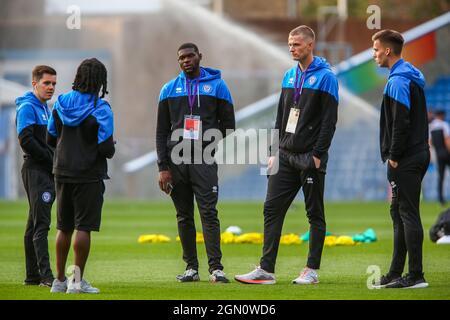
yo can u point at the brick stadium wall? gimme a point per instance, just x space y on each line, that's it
255 8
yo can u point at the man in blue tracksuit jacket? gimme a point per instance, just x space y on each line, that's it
31 122
306 120
81 129
193 103
404 145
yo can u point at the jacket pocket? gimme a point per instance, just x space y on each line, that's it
302 161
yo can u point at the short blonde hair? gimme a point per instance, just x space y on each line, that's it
303 30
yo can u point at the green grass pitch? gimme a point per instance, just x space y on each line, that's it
124 269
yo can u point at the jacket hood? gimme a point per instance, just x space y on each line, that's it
206 74
29 97
319 63
405 69
74 106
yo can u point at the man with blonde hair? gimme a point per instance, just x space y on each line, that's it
306 119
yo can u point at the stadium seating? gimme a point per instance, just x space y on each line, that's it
438 95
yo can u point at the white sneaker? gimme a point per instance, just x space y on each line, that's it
218 276
59 286
308 276
257 276
190 275
444 240
81 287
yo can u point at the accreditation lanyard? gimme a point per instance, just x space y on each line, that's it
298 88
192 123
294 113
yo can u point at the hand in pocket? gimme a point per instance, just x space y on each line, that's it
302 161
316 162
393 164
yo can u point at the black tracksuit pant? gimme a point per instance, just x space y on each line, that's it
40 189
282 189
442 164
406 182
201 181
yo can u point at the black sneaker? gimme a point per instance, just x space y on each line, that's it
46 282
32 282
409 282
385 280
189 275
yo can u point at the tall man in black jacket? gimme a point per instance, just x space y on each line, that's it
306 119
81 129
404 144
31 122
193 104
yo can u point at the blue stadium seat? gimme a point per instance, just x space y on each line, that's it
438 94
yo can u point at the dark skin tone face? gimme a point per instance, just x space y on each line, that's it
189 61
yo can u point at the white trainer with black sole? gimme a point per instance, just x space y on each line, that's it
190 275
218 276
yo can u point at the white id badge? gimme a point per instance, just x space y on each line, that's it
192 126
293 119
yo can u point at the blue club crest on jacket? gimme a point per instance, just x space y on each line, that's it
319 76
210 84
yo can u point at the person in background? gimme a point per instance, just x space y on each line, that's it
440 141
440 231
